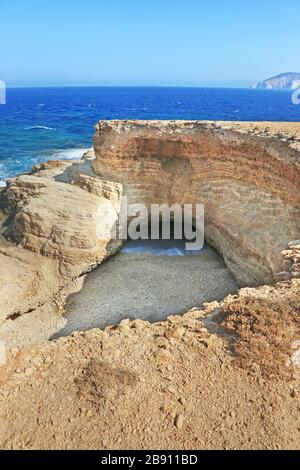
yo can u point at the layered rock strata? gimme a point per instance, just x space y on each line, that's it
246 175
248 181
56 226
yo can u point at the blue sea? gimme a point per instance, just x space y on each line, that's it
39 124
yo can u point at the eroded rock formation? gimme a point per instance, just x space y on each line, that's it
248 182
57 227
246 175
173 381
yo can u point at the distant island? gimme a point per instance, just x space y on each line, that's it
283 81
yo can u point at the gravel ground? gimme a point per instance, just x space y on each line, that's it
147 287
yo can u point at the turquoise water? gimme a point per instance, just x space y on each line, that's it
44 123
161 248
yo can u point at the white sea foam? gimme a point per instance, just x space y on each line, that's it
69 154
159 248
137 109
2 183
40 128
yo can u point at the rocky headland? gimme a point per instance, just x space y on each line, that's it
222 376
283 81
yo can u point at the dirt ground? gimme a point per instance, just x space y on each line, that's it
171 385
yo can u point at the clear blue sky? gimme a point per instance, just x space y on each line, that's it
147 42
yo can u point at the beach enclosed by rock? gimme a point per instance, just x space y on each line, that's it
181 382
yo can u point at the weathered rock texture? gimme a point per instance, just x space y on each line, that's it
248 181
291 262
173 384
61 220
26 280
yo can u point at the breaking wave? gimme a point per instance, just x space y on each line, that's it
33 128
69 154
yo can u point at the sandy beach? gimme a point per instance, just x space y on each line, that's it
132 286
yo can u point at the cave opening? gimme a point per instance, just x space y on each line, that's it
149 280
172 246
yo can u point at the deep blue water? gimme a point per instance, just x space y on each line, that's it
43 123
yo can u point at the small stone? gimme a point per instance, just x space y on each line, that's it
206 342
161 356
104 443
171 390
48 360
287 265
255 368
295 359
168 378
283 276
286 253
179 420
294 244
37 361
296 344
176 332
295 274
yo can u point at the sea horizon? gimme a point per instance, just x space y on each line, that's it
201 87
40 123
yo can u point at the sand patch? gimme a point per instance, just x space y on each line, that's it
142 286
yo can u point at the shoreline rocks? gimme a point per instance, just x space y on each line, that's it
245 174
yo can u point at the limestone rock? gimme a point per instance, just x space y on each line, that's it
26 280
60 217
63 219
248 182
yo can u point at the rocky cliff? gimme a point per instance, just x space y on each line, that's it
248 182
246 175
284 81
